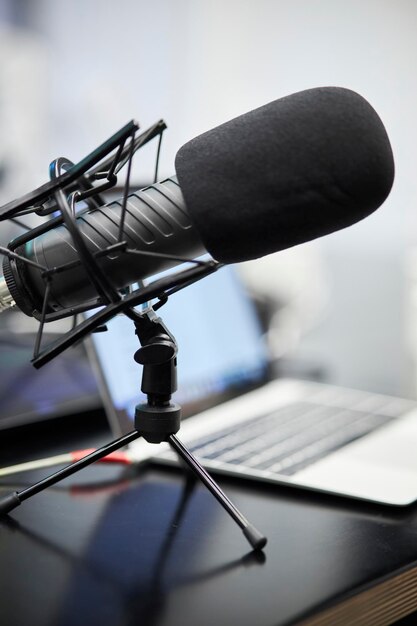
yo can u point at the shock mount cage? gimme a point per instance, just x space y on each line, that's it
56 201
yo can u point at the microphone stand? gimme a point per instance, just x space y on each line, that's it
157 420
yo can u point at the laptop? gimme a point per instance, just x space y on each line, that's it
56 390
290 432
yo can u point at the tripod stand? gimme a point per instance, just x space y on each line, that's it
156 421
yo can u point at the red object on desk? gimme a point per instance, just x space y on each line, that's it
62 459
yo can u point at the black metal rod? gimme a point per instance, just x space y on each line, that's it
205 477
10 501
43 192
126 190
255 538
39 334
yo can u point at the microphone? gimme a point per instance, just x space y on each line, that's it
288 172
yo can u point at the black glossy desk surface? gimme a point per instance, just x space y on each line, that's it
122 546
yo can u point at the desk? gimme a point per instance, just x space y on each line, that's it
117 547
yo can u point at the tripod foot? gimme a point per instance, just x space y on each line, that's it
256 539
9 502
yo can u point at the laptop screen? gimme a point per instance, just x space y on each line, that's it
63 387
221 351
27 395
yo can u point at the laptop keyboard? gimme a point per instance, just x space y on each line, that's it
290 438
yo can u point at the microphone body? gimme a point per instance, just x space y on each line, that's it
156 220
295 169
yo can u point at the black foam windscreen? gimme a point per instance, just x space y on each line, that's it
298 168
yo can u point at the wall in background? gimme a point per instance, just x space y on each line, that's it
197 63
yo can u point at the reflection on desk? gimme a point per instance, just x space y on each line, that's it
115 547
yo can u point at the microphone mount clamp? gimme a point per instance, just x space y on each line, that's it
159 418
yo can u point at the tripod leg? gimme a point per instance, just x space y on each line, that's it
12 500
255 538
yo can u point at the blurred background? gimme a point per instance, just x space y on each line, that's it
71 73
